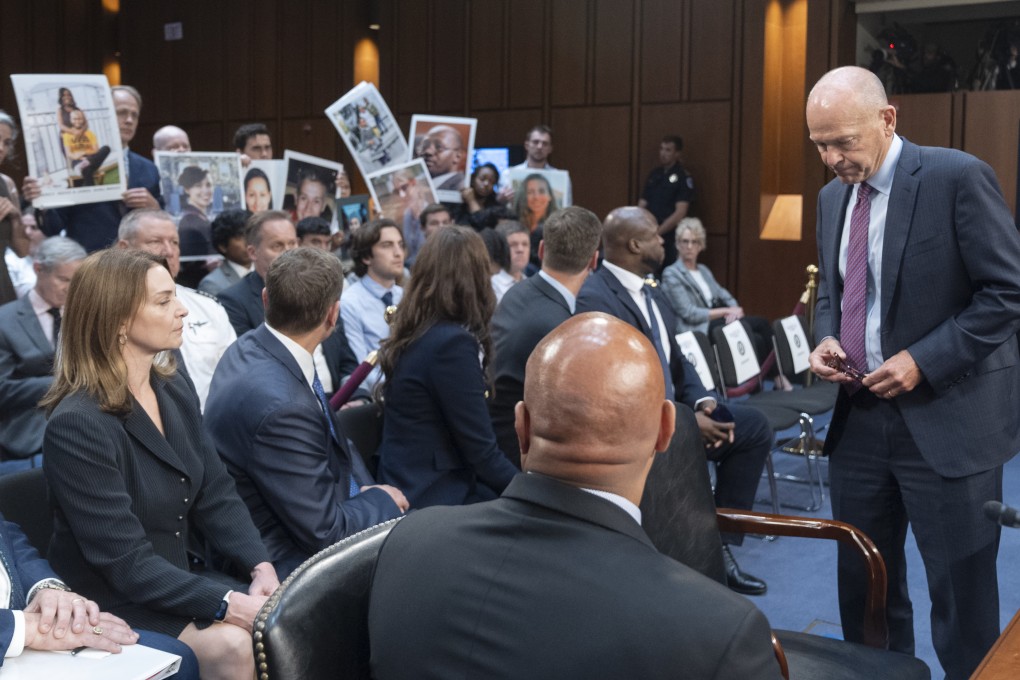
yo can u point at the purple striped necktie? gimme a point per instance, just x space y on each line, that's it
855 286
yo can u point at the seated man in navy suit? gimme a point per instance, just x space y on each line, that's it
94 225
268 417
39 611
29 330
633 252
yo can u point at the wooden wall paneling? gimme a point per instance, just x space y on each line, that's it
15 57
990 132
240 77
412 63
925 119
705 127
267 64
147 60
488 68
593 144
661 50
568 59
526 54
207 136
330 59
315 136
711 50
46 49
614 51
449 56
297 74
79 42
198 65
502 128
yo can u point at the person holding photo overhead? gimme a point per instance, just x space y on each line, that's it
258 195
194 227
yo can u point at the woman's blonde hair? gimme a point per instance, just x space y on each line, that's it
105 293
697 229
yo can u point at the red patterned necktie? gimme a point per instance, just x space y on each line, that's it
855 286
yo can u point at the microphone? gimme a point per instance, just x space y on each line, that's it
1002 514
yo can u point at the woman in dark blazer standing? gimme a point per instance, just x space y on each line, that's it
130 471
438 446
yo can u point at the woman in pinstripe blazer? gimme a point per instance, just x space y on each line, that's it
131 472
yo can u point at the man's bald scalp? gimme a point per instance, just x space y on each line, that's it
849 83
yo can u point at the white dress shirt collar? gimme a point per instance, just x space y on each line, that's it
303 358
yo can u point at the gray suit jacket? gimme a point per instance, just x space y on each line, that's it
686 299
950 296
26 372
219 279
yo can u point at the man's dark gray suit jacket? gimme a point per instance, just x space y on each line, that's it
26 373
950 296
550 581
529 311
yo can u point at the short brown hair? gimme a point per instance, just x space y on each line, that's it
105 293
253 229
301 286
571 237
364 239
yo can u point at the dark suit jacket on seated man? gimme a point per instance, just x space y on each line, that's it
556 579
28 334
294 470
920 289
39 611
534 307
633 251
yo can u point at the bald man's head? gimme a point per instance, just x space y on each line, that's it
630 236
593 413
850 122
171 138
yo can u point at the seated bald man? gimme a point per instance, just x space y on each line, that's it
556 579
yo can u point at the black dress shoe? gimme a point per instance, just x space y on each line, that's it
739 581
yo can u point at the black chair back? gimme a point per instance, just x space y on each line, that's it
24 501
315 626
362 425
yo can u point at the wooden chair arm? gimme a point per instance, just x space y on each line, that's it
777 647
876 633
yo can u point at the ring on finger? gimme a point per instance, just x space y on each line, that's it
97 630
77 599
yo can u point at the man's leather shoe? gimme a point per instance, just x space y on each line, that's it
739 581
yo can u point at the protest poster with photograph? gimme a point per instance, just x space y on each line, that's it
402 191
549 182
196 187
72 141
263 184
310 189
354 212
446 144
368 129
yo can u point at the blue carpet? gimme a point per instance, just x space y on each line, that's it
801 573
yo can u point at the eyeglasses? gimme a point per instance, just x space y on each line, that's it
688 242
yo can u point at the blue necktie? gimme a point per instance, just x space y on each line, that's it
656 339
387 298
321 394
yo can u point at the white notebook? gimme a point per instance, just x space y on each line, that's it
136 662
